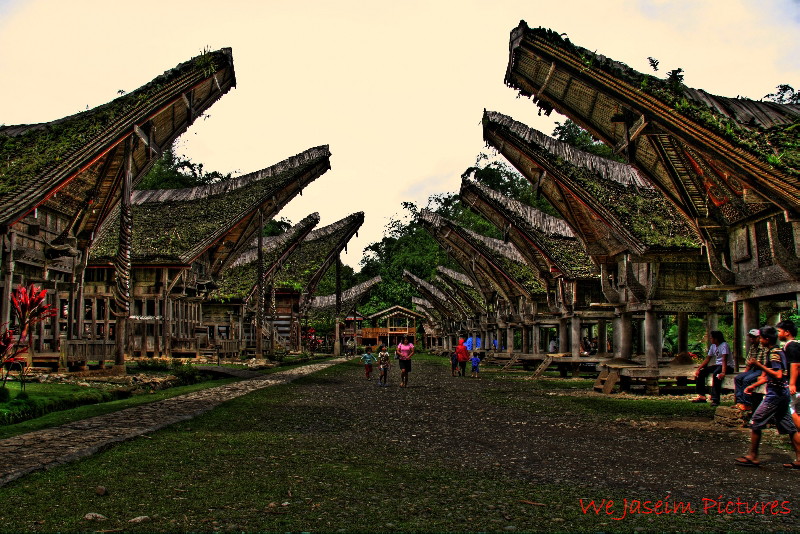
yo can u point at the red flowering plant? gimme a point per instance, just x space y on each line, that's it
30 310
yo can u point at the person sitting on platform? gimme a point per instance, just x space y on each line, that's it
775 406
751 373
723 364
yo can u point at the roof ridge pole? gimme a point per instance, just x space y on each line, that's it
122 262
260 284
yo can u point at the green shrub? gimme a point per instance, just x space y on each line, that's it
5 395
155 364
23 395
186 374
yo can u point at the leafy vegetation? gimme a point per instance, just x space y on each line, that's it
174 171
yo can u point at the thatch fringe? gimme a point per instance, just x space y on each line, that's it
219 188
497 245
352 219
606 168
428 287
250 255
537 219
348 296
455 275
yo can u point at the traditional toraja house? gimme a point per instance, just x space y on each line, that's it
549 245
649 255
333 307
182 239
511 289
399 322
452 320
432 326
232 310
730 165
296 282
60 181
462 285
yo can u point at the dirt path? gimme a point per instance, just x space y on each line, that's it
483 420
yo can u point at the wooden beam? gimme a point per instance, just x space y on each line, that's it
631 134
548 77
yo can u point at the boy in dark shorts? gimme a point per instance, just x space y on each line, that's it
383 365
775 406
453 364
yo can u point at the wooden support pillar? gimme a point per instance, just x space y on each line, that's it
602 337
122 261
526 333
640 337
576 336
536 343
737 336
260 288
8 278
750 317
712 323
337 344
563 336
683 331
510 340
624 347
652 329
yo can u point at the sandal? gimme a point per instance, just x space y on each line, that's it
744 407
747 462
793 465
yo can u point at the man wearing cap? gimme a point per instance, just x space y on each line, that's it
751 373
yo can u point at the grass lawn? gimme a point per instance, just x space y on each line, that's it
298 458
102 406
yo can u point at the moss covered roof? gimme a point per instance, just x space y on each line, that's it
553 237
174 226
438 299
611 188
462 283
37 158
768 131
239 280
304 268
502 257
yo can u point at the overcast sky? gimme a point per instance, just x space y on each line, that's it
396 88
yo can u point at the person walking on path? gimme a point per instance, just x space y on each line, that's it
383 365
723 364
463 357
476 362
368 360
787 331
454 363
750 374
405 351
775 406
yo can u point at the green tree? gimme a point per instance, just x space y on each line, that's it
173 171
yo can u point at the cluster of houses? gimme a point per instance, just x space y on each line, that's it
703 217
171 273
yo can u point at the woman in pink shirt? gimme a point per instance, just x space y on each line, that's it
405 351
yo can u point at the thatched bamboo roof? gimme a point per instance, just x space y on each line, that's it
435 296
239 281
588 192
698 148
76 162
176 226
305 267
546 241
350 297
499 261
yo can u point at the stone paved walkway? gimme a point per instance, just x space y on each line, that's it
53 446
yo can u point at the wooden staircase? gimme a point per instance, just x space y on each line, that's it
606 380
